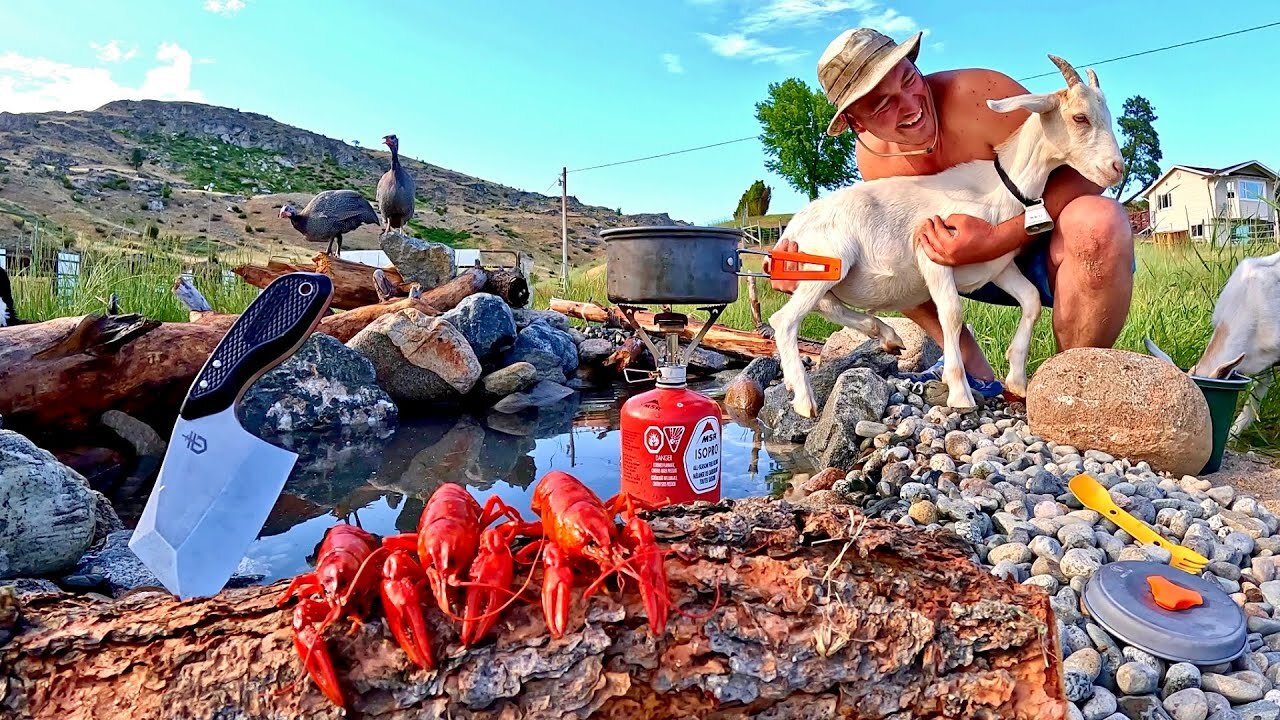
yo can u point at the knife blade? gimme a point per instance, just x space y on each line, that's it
218 482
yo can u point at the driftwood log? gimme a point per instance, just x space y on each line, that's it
735 343
352 281
822 614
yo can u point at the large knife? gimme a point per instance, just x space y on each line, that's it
218 482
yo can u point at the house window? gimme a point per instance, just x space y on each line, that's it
1164 201
1197 231
1250 189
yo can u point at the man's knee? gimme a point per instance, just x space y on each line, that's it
1096 230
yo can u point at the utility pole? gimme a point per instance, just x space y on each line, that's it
564 229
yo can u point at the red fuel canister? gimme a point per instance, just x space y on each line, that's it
671 442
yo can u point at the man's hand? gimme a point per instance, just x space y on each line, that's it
958 240
783 286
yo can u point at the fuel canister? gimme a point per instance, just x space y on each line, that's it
671 443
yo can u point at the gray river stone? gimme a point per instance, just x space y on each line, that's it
47 510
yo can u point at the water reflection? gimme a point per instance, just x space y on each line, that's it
382 483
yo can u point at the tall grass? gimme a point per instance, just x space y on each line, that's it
142 282
1173 299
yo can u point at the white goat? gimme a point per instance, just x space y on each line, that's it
871 227
1246 332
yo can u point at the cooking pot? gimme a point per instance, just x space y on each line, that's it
684 264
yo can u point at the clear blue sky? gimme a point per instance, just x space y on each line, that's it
511 91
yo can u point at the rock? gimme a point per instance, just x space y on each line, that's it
1188 704
593 350
419 261
869 428
858 394
1181 676
920 353
1240 687
925 513
526 316
1046 547
485 321
1123 403
1260 710
510 379
1142 707
1013 552
418 358
116 563
1087 661
1101 706
542 395
782 420
1136 679
324 386
47 510
1081 562
1078 687
549 350
1217 703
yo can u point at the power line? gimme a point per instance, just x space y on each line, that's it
1160 49
1030 77
666 154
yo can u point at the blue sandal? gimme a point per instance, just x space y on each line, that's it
986 388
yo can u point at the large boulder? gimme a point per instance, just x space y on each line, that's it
325 386
418 358
419 261
859 394
48 513
486 322
782 421
1124 404
549 350
526 316
920 354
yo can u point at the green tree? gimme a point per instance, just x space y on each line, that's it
755 201
137 158
793 122
1141 147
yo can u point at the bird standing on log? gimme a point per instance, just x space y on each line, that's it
329 215
395 191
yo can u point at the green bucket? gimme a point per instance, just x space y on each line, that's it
1222 396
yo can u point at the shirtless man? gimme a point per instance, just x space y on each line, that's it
913 124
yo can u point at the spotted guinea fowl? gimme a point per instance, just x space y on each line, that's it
329 215
395 191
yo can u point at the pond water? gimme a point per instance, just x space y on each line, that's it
382 483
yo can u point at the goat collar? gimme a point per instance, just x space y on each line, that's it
1011 187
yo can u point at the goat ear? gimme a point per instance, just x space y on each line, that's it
1226 368
1031 103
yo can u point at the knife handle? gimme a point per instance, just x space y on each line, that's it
270 330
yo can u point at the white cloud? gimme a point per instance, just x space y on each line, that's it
937 47
777 14
672 62
113 53
224 7
29 84
737 45
890 22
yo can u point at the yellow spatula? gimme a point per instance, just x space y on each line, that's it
1095 497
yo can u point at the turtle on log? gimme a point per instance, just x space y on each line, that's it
329 215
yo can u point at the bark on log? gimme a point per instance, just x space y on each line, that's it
822 614
510 286
735 343
352 281
345 325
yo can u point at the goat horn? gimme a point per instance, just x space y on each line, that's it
1093 79
1068 72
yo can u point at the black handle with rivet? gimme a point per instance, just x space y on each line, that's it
270 330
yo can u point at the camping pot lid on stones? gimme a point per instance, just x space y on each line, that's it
1169 613
686 264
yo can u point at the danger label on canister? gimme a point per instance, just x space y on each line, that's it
702 456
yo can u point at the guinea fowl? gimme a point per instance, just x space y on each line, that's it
395 191
329 215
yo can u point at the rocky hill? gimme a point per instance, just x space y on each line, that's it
215 177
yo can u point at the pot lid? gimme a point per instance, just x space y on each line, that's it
1167 612
669 231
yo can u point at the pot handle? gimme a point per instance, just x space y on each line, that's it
831 267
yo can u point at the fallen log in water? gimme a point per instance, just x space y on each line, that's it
736 343
822 614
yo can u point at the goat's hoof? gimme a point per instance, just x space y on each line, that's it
804 408
764 331
892 348
962 403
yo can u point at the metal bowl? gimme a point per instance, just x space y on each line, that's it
673 265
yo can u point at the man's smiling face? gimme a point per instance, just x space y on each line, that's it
898 109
